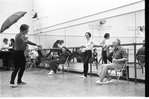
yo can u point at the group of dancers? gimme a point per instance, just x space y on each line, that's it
119 56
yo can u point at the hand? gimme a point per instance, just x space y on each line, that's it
114 60
111 46
108 46
26 39
82 46
95 45
38 45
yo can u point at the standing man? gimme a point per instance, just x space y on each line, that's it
21 42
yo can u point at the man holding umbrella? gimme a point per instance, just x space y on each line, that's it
21 42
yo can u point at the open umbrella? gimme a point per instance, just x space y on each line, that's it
11 20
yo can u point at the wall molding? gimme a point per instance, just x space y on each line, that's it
119 11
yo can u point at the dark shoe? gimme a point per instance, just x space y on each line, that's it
22 83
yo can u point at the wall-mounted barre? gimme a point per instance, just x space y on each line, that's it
99 27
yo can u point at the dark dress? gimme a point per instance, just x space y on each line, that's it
55 63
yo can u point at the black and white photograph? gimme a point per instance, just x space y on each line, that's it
72 49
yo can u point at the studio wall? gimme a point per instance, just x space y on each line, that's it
123 27
121 22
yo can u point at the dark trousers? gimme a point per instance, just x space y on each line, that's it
104 56
5 62
55 63
87 55
19 66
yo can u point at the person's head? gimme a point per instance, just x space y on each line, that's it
116 43
107 36
77 49
24 29
5 40
57 41
61 42
40 47
94 49
64 48
143 29
12 40
87 35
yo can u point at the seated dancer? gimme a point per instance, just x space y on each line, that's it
94 56
55 63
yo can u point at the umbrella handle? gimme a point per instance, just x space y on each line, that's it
17 26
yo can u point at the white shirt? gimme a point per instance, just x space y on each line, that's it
33 54
104 44
60 46
5 47
89 44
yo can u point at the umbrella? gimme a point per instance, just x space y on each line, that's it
11 20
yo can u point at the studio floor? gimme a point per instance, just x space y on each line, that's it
40 84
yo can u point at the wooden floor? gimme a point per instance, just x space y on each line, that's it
40 84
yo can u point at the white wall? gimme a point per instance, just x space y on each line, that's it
119 20
97 14
119 28
59 11
9 7
70 19
73 36
79 14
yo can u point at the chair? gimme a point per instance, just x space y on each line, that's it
124 68
93 63
141 61
97 63
31 62
42 58
65 65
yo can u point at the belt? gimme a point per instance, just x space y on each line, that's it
87 50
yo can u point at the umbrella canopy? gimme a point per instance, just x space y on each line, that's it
11 20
